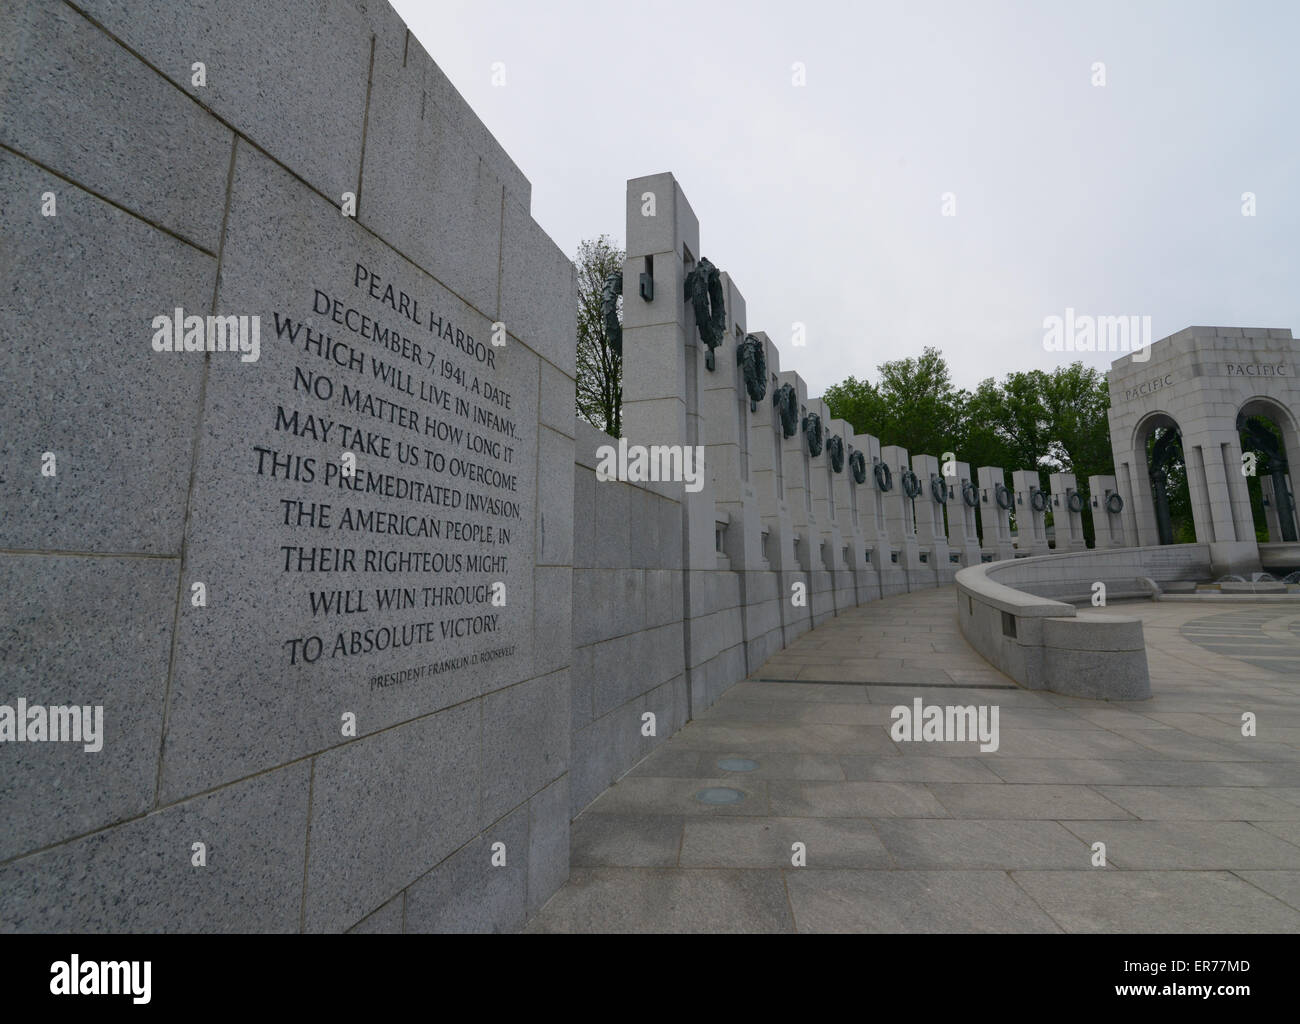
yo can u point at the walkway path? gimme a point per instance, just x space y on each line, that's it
1201 825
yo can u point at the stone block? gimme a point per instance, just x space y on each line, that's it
556 399
427 192
555 515
525 741
552 618
103 132
584 513
293 79
120 480
73 641
138 877
539 291
269 572
385 809
467 893
610 524
548 842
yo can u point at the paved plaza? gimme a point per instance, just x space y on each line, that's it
1201 825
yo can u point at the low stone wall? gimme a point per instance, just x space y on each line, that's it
1015 613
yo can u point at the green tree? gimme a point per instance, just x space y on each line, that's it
1051 421
599 387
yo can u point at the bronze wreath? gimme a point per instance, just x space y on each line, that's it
938 490
1037 500
970 494
911 485
1003 496
858 464
884 476
1075 502
704 292
835 449
1114 504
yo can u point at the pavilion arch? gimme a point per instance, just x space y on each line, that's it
1161 479
1273 493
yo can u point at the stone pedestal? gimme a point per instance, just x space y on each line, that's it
1031 524
1068 523
995 521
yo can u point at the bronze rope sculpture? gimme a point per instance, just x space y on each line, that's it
753 362
609 294
787 405
812 428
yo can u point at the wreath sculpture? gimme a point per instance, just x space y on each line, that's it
938 490
1038 500
609 294
753 363
884 476
835 449
704 292
1003 497
787 407
1075 502
858 464
911 485
1114 504
970 494
812 428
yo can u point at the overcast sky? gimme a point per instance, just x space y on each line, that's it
823 202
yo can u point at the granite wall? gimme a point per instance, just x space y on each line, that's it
326 695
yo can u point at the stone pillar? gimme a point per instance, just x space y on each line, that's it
844 494
1069 523
663 378
777 528
963 536
1031 524
900 521
995 542
1269 493
892 578
728 450
796 472
931 530
1107 526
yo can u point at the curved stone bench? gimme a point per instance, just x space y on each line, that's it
1042 642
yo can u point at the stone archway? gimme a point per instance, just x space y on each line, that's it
1268 432
1159 442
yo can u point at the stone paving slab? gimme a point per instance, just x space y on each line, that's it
1201 825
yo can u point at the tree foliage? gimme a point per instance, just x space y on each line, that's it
1052 421
599 391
